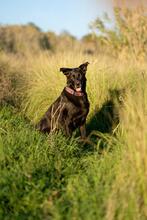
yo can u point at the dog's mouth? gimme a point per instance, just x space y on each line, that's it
78 89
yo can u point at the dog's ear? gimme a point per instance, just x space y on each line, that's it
83 67
66 71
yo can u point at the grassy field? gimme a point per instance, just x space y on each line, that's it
53 177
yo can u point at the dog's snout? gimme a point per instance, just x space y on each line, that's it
78 84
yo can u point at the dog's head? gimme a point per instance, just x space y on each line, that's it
76 77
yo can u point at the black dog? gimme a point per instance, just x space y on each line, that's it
70 109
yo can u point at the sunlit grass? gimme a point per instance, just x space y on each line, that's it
53 176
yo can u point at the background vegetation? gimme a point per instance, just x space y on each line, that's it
53 177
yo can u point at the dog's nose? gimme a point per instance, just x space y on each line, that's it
78 84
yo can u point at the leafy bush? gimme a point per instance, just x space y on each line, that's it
22 39
128 39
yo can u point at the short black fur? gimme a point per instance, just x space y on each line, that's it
69 111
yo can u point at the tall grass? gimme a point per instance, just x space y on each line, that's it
44 81
130 184
61 178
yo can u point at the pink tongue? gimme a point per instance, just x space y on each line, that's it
78 89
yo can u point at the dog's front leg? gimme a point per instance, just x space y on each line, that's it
67 129
83 131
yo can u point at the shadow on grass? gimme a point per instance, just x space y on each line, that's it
105 120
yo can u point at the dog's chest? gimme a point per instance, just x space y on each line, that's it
80 104
79 111
76 109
